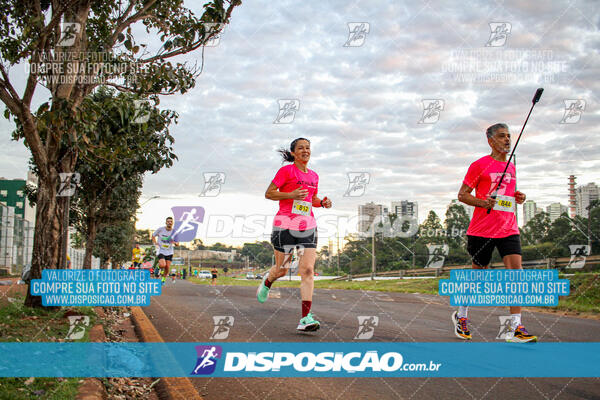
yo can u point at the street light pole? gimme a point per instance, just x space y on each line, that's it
141 205
589 220
373 254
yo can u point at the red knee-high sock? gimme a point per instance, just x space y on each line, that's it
306 307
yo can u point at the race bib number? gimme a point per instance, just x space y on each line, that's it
505 203
301 207
166 245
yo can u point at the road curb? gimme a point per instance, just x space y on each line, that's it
93 388
166 388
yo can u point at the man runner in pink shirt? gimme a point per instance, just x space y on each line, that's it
294 227
498 229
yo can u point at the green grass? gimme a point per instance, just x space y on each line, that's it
23 324
40 388
584 297
585 294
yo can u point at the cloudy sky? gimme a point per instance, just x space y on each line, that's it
361 101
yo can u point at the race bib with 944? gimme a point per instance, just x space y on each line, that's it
505 203
301 207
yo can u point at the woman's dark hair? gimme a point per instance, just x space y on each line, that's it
286 154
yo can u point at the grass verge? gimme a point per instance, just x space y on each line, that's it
584 297
23 324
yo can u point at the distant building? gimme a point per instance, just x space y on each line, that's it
572 196
12 194
584 195
555 210
367 214
529 211
405 208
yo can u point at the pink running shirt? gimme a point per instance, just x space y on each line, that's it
288 179
483 176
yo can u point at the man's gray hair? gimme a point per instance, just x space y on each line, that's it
491 131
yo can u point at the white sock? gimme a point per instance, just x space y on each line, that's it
515 321
462 311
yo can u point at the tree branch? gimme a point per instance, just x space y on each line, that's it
121 26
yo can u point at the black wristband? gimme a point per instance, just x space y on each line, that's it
321 203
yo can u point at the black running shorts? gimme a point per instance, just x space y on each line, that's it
166 258
481 248
285 240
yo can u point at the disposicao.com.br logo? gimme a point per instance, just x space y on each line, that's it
298 364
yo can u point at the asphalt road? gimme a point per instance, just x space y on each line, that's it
184 313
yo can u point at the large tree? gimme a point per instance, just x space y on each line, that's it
456 223
114 242
535 231
69 47
111 171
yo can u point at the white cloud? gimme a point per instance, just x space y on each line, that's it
360 106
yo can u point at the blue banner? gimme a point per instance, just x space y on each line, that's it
95 287
231 359
504 287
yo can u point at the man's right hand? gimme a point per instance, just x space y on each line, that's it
299 194
489 203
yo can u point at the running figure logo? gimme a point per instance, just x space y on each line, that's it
187 221
212 28
579 252
141 111
366 327
207 359
77 325
505 327
223 324
357 184
69 31
287 111
432 109
358 33
68 183
573 110
499 32
212 184
437 255
495 178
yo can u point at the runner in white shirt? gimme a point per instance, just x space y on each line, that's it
163 238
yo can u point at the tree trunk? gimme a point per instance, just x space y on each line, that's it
92 230
46 233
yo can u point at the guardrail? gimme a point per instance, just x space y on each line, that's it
591 262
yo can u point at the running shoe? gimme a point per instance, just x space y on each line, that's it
162 282
461 330
308 324
262 293
521 336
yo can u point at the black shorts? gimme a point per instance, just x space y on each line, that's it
166 258
286 240
481 248
214 276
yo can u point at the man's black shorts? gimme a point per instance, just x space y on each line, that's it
285 240
481 248
166 258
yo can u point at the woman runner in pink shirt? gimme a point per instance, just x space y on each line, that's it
294 227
